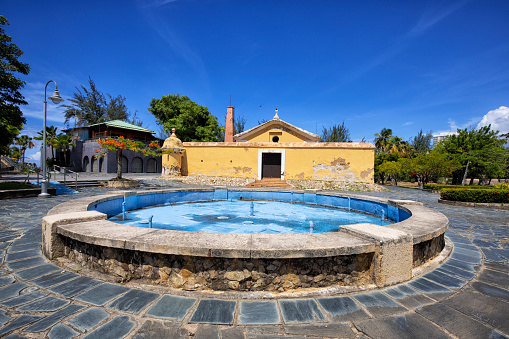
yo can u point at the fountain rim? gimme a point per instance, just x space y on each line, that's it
74 220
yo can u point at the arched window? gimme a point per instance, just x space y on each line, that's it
85 164
151 165
125 168
94 164
137 165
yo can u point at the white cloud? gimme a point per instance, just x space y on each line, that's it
498 118
408 123
36 156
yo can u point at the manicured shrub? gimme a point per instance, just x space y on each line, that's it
487 195
438 187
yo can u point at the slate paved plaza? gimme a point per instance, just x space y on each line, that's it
466 297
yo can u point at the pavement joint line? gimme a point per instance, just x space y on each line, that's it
461 237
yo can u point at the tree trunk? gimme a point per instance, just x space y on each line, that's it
119 164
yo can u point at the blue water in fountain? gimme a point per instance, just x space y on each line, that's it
249 217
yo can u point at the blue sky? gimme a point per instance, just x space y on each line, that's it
404 65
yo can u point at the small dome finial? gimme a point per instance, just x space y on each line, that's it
276 116
173 132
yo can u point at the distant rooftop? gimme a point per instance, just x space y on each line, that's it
124 125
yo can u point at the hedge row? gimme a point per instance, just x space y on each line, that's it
487 195
438 187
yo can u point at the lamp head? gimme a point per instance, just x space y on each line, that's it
56 98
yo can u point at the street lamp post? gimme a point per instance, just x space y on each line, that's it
56 99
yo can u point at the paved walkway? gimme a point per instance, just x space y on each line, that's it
467 297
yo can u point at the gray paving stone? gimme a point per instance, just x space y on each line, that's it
466 246
407 297
22 255
207 332
88 319
21 264
430 288
342 309
232 333
490 290
378 304
445 279
34 272
214 312
27 240
496 254
455 322
54 318
484 308
300 311
170 306
24 298
53 279
101 294
463 265
410 325
258 312
275 336
12 290
497 267
494 277
472 253
266 329
15 336
118 327
133 301
153 329
47 304
4 317
466 258
61 331
72 287
6 280
342 330
456 271
23 320
25 247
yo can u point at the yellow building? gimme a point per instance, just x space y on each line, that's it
274 149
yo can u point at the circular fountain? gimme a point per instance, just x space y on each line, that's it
362 253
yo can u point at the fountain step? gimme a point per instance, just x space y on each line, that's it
270 182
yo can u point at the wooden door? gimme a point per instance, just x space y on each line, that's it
271 165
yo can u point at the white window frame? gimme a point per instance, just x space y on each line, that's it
261 151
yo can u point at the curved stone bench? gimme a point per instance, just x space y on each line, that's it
360 253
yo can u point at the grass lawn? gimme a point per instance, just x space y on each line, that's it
13 185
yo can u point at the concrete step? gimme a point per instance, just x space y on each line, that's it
270 182
83 183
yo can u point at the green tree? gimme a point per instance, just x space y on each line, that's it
379 160
383 141
392 168
24 142
430 166
11 117
64 143
480 153
421 143
193 122
336 133
90 106
51 135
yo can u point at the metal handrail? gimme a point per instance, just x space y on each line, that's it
65 173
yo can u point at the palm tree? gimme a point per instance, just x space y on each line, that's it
63 142
382 140
24 141
51 134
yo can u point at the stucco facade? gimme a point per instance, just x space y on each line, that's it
294 155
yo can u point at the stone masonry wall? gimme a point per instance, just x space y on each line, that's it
428 250
223 274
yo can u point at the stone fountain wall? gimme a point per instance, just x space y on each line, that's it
223 274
